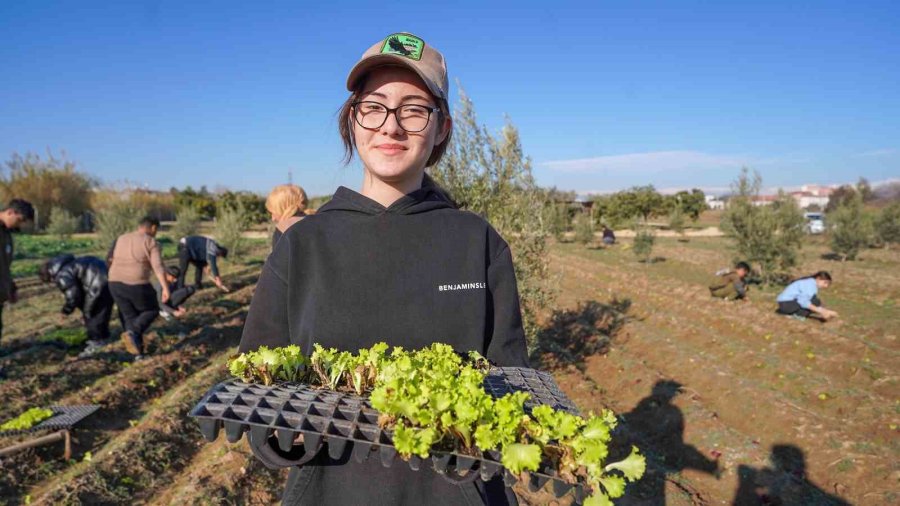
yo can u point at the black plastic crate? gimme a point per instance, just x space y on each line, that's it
340 422
64 417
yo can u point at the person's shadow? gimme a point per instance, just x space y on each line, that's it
656 426
784 483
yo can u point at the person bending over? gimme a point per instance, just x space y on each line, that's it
133 258
84 283
201 252
175 306
731 284
800 299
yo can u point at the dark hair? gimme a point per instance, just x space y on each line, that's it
44 272
345 125
819 275
149 221
173 270
22 207
222 251
742 265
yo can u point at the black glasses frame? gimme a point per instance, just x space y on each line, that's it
393 111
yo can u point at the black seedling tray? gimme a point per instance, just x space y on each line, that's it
64 417
345 422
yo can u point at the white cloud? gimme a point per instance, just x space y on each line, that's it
658 161
878 152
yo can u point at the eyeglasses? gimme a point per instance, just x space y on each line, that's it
411 117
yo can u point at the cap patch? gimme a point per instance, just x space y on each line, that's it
403 44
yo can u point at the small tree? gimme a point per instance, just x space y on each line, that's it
584 229
62 223
677 222
187 222
116 219
769 236
644 239
231 222
490 175
887 225
849 227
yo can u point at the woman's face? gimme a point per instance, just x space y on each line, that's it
823 283
390 153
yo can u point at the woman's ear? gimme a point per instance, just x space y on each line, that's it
446 125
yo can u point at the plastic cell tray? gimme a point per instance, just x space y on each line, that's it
336 422
64 417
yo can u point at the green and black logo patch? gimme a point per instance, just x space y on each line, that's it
404 44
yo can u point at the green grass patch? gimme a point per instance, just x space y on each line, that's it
70 337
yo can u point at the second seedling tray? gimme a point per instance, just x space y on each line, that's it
274 415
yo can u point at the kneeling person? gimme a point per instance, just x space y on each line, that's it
201 252
801 298
731 284
83 281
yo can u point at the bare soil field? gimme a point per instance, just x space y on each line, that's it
728 400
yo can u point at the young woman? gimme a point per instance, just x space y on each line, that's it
396 262
800 298
287 205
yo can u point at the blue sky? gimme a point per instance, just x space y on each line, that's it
606 94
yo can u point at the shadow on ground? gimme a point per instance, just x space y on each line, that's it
575 334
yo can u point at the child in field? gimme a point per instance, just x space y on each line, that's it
609 237
800 298
731 284
175 306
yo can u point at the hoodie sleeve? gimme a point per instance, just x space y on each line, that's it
506 337
212 249
267 319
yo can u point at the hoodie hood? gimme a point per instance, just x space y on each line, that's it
58 262
423 200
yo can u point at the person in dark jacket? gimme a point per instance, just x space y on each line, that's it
11 217
84 282
174 307
395 262
201 252
609 237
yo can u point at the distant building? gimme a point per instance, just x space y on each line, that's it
714 203
763 200
806 199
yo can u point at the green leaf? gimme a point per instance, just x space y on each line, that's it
632 467
597 499
519 457
614 485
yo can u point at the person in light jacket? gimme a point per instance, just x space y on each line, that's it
801 298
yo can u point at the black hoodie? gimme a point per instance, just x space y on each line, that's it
417 272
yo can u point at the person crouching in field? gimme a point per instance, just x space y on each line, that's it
11 217
174 307
132 259
287 205
201 252
609 237
800 298
84 283
731 284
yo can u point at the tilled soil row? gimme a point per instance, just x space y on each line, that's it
734 391
125 390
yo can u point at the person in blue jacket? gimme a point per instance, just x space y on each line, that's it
201 252
800 299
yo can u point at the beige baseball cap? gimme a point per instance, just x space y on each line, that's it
407 50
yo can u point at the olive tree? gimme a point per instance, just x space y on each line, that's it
490 175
